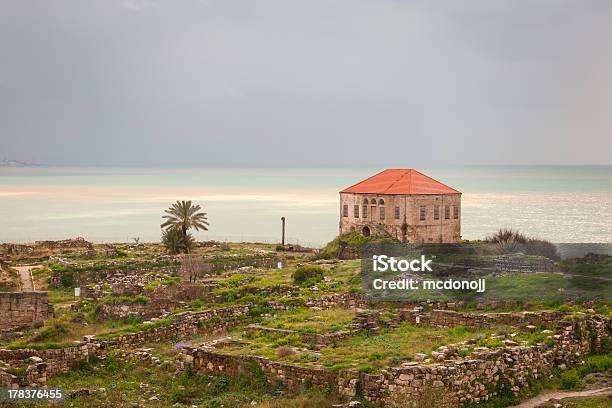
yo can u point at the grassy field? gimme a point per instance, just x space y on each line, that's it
364 352
311 321
127 382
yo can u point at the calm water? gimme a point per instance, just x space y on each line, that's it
562 204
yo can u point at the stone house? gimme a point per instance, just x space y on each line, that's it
402 203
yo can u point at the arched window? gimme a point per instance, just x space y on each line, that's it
373 202
381 202
365 201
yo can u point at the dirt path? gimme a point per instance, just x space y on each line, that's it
546 396
25 275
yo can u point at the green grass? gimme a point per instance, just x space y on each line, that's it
592 402
368 352
122 378
311 321
114 299
571 379
61 295
527 286
537 337
365 352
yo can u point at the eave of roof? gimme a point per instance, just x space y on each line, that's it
400 182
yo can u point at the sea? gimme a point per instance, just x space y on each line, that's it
109 204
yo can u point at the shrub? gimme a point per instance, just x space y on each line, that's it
220 384
541 247
570 380
308 275
260 310
490 343
505 236
54 332
510 241
67 279
596 364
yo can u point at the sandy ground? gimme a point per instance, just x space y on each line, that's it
26 277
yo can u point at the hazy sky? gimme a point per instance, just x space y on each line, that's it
306 83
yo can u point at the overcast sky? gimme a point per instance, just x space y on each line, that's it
306 83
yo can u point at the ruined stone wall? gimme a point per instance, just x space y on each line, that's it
295 378
121 310
451 318
23 309
472 380
61 360
429 230
57 361
35 374
185 324
478 378
350 300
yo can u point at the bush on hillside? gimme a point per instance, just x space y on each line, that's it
541 247
510 241
505 236
350 243
308 275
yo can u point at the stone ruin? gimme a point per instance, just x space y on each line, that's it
471 379
19 309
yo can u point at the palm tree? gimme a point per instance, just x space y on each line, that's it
173 240
183 216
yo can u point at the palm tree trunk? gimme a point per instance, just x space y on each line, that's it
184 230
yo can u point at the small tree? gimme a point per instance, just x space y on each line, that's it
193 267
183 216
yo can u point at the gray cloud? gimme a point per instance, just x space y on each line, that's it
312 83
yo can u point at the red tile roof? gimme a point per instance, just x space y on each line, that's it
400 181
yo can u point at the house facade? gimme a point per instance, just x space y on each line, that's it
404 204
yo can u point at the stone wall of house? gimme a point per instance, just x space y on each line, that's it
23 309
430 230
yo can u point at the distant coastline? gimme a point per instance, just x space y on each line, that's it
18 163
